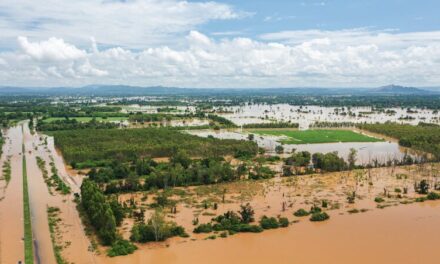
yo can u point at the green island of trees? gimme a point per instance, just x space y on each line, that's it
128 144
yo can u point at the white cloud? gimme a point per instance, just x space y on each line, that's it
356 57
53 49
130 23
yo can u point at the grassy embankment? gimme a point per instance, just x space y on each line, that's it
317 136
28 245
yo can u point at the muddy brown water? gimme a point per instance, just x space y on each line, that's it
398 234
72 236
11 207
403 234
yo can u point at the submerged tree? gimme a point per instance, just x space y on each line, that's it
247 213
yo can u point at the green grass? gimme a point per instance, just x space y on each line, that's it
87 119
28 245
317 136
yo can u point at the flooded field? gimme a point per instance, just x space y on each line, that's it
399 229
171 123
388 149
306 115
396 230
403 234
71 236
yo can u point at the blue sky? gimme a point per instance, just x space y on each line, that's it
250 43
272 16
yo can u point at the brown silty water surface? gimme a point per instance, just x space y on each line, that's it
397 234
71 233
11 207
70 236
404 234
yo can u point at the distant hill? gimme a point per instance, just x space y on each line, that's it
396 89
126 90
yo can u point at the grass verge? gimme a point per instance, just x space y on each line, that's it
28 245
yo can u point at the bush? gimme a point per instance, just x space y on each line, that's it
284 222
120 248
249 228
203 228
301 212
433 196
422 187
269 222
317 217
420 199
315 209
379 200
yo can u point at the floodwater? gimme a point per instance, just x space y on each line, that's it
402 234
11 207
174 123
366 151
306 115
397 234
72 236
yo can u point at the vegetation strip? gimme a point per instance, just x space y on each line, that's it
53 219
42 165
56 181
7 170
28 245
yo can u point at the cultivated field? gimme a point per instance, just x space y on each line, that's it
317 136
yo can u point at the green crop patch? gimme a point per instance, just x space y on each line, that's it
317 136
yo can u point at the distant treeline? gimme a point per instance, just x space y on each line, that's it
272 125
70 124
325 124
424 137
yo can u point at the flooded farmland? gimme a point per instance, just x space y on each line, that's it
402 234
384 151
307 115
398 230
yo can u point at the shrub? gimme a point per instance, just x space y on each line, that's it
121 247
301 212
420 199
203 228
315 209
283 221
249 228
379 200
246 213
433 196
422 187
317 217
269 222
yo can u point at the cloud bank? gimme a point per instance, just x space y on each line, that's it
149 42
